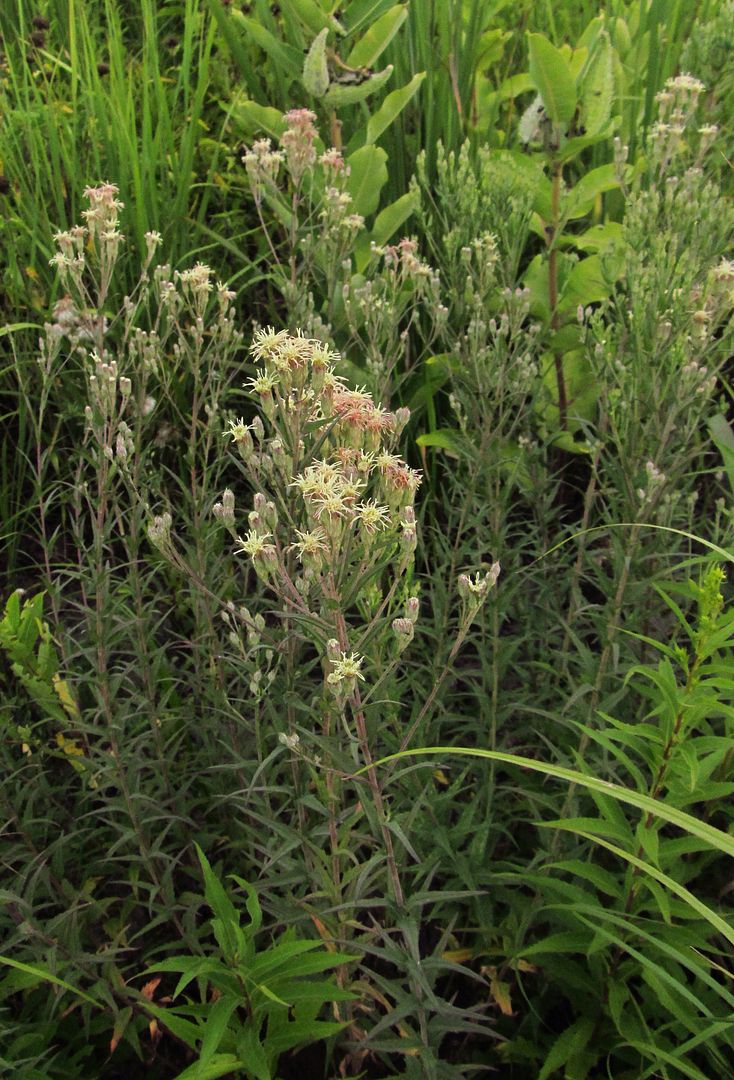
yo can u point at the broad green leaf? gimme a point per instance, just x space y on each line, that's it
313 16
340 94
386 224
315 68
574 146
491 47
359 14
389 220
252 117
600 878
443 439
251 903
367 177
191 967
392 106
285 56
252 1051
580 199
599 238
553 79
297 1032
586 284
597 87
515 85
378 37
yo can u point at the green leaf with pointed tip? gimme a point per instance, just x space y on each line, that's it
315 68
313 16
716 839
251 117
443 439
219 1065
392 106
597 87
580 200
282 54
367 177
551 73
46 976
378 37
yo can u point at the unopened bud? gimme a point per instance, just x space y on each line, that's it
403 630
402 416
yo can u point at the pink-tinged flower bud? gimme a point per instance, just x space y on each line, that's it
412 607
403 630
227 513
409 539
333 652
402 416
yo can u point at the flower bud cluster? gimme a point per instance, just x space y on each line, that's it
474 590
100 235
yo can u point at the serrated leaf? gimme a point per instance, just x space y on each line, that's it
567 1045
218 1018
551 73
226 925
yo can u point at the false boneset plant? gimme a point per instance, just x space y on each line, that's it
332 534
331 539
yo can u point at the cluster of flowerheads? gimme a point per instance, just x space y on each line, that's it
327 453
299 156
354 485
677 105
